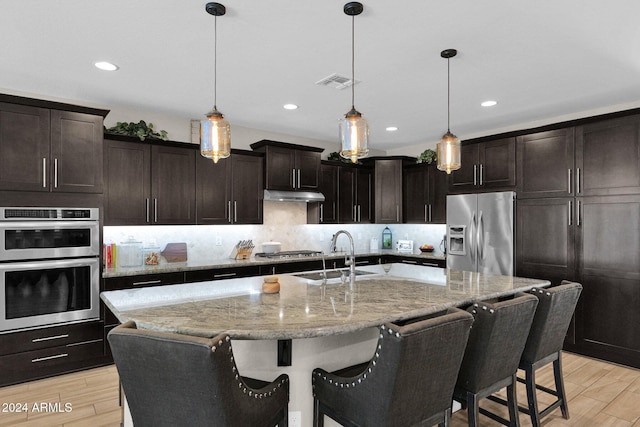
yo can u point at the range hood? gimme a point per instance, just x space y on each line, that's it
293 196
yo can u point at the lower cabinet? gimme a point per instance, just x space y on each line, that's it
39 353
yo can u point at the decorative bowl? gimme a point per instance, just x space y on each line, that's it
427 249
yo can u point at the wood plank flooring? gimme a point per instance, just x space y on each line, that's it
600 394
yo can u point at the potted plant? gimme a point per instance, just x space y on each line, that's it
140 129
427 156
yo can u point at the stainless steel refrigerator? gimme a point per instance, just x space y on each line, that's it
480 232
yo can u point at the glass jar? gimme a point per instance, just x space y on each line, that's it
151 254
130 253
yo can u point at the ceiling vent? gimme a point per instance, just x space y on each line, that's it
336 81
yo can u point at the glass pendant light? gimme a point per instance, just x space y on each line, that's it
354 129
448 149
215 131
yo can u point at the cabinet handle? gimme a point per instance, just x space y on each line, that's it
355 217
365 262
148 282
430 264
235 211
321 212
578 189
293 178
578 214
44 172
273 270
55 337
298 178
569 181
155 210
216 276
147 203
430 219
481 173
570 212
425 213
55 173
42 359
359 214
398 213
475 171
229 209
406 261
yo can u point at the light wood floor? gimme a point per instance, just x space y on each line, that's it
600 394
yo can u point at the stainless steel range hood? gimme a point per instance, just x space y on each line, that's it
293 196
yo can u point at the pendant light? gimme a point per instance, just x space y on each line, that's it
448 148
215 131
354 129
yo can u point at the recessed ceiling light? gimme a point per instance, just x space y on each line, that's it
391 129
290 106
489 103
106 66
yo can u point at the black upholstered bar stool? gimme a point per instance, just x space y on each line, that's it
175 380
544 345
490 363
408 381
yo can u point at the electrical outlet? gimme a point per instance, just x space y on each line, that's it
218 241
295 419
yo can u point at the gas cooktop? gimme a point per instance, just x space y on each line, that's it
288 254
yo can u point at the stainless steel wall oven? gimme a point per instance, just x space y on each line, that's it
49 266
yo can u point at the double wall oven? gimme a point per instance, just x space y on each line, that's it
49 266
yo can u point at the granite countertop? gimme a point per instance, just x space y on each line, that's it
226 263
305 308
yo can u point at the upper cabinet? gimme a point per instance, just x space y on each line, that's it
355 194
425 194
326 212
50 149
290 167
230 191
388 188
546 164
608 157
486 166
149 184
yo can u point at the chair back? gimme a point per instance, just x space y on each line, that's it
174 379
496 342
553 315
413 372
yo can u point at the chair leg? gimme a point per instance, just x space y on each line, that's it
557 374
532 398
318 418
473 410
512 402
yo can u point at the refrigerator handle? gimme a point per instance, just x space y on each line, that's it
472 244
480 231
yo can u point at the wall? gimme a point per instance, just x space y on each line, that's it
284 222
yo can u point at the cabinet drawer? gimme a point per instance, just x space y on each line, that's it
143 280
221 273
45 362
43 338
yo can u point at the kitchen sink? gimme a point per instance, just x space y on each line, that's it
331 274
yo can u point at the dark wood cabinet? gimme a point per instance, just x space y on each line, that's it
608 157
149 184
230 191
425 194
545 235
290 167
485 166
388 191
50 150
326 212
545 164
355 193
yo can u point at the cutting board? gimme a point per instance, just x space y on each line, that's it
175 252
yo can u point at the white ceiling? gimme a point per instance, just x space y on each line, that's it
539 60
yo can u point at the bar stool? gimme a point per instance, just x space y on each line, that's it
408 381
544 345
491 358
174 379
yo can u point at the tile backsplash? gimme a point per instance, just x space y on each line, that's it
284 222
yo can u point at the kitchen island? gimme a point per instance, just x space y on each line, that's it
329 325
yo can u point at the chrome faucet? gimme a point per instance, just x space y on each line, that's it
351 261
